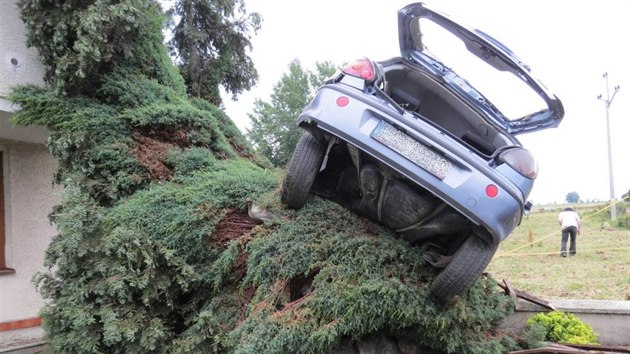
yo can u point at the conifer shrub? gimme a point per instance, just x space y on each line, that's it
156 249
558 326
81 43
326 273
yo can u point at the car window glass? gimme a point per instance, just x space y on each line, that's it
480 68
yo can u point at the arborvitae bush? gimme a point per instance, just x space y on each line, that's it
156 251
557 326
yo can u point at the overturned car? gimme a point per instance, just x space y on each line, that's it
410 143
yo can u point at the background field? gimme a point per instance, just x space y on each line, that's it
530 257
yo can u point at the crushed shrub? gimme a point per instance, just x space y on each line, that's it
156 252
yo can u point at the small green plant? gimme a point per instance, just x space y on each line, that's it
623 221
596 215
557 326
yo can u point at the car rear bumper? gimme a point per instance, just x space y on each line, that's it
462 185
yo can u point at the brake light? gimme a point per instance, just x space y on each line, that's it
522 161
362 68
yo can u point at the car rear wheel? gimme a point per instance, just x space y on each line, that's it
303 168
465 267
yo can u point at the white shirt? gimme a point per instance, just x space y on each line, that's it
569 218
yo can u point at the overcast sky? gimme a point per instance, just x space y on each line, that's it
568 45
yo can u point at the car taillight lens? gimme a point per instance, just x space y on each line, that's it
362 68
521 161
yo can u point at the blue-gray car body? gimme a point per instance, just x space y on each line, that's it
471 177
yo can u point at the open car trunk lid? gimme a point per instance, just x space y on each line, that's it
501 85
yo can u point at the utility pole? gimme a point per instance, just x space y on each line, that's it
607 103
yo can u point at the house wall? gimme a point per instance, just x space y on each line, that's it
18 64
30 197
31 134
28 170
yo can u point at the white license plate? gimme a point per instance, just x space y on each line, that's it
411 149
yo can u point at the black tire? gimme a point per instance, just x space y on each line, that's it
303 168
466 266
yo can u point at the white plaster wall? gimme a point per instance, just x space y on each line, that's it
29 194
30 134
18 64
29 199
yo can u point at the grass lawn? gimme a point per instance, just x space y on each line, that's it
530 258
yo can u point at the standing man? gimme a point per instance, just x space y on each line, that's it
570 222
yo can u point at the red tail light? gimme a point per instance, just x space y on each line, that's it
362 68
522 161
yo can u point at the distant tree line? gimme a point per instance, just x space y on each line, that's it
572 197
